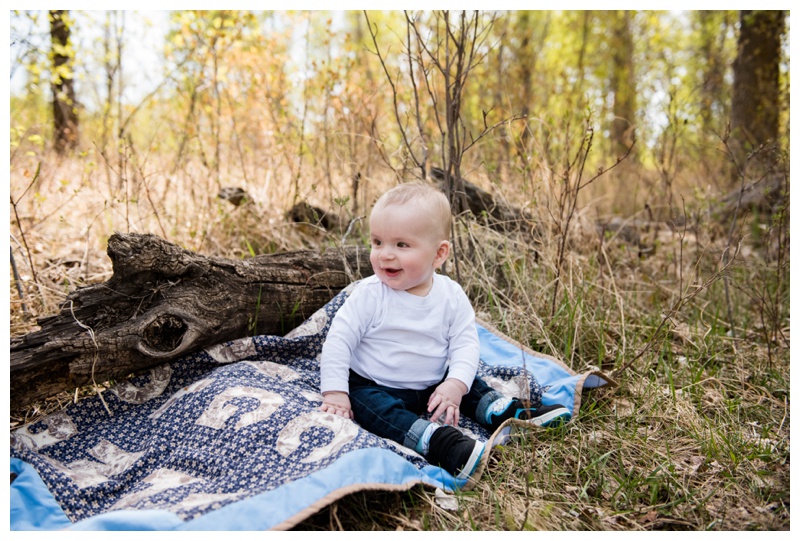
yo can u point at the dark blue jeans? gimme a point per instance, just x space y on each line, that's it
395 413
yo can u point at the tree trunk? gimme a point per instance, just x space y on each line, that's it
713 26
622 182
623 84
532 29
525 63
163 302
65 114
756 84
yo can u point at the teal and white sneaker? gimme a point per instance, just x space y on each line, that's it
545 416
504 409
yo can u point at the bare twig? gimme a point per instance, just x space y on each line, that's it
568 202
17 282
19 222
373 32
409 24
94 362
741 170
346 234
685 297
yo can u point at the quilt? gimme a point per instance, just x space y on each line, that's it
231 438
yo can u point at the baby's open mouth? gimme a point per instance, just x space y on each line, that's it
391 272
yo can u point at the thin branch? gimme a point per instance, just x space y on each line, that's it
94 361
19 222
409 24
674 310
489 129
374 33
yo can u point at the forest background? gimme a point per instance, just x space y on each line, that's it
643 155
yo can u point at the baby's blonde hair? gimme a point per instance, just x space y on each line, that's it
429 199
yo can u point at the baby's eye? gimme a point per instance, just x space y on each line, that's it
402 245
376 242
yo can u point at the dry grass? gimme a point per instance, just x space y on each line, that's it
695 437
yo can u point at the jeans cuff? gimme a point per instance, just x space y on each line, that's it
415 433
483 405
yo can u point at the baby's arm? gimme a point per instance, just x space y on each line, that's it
464 353
338 403
464 345
345 332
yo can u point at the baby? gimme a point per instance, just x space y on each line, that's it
405 343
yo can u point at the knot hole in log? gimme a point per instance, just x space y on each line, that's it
165 333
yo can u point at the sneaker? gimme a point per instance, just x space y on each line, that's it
501 410
553 415
515 408
456 453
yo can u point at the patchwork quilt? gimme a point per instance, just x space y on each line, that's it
231 438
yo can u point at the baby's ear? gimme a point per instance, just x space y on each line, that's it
441 253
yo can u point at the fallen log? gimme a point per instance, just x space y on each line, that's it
163 302
764 196
490 211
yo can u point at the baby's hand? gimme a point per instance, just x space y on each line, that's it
338 403
445 400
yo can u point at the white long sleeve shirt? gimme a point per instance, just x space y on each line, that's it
401 340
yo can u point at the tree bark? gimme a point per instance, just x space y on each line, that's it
163 302
65 114
712 29
755 118
525 63
623 84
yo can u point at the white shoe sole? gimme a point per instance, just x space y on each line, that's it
509 432
472 462
551 416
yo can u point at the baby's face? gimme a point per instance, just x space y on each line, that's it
405 250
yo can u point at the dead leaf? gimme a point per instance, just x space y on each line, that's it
650 516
